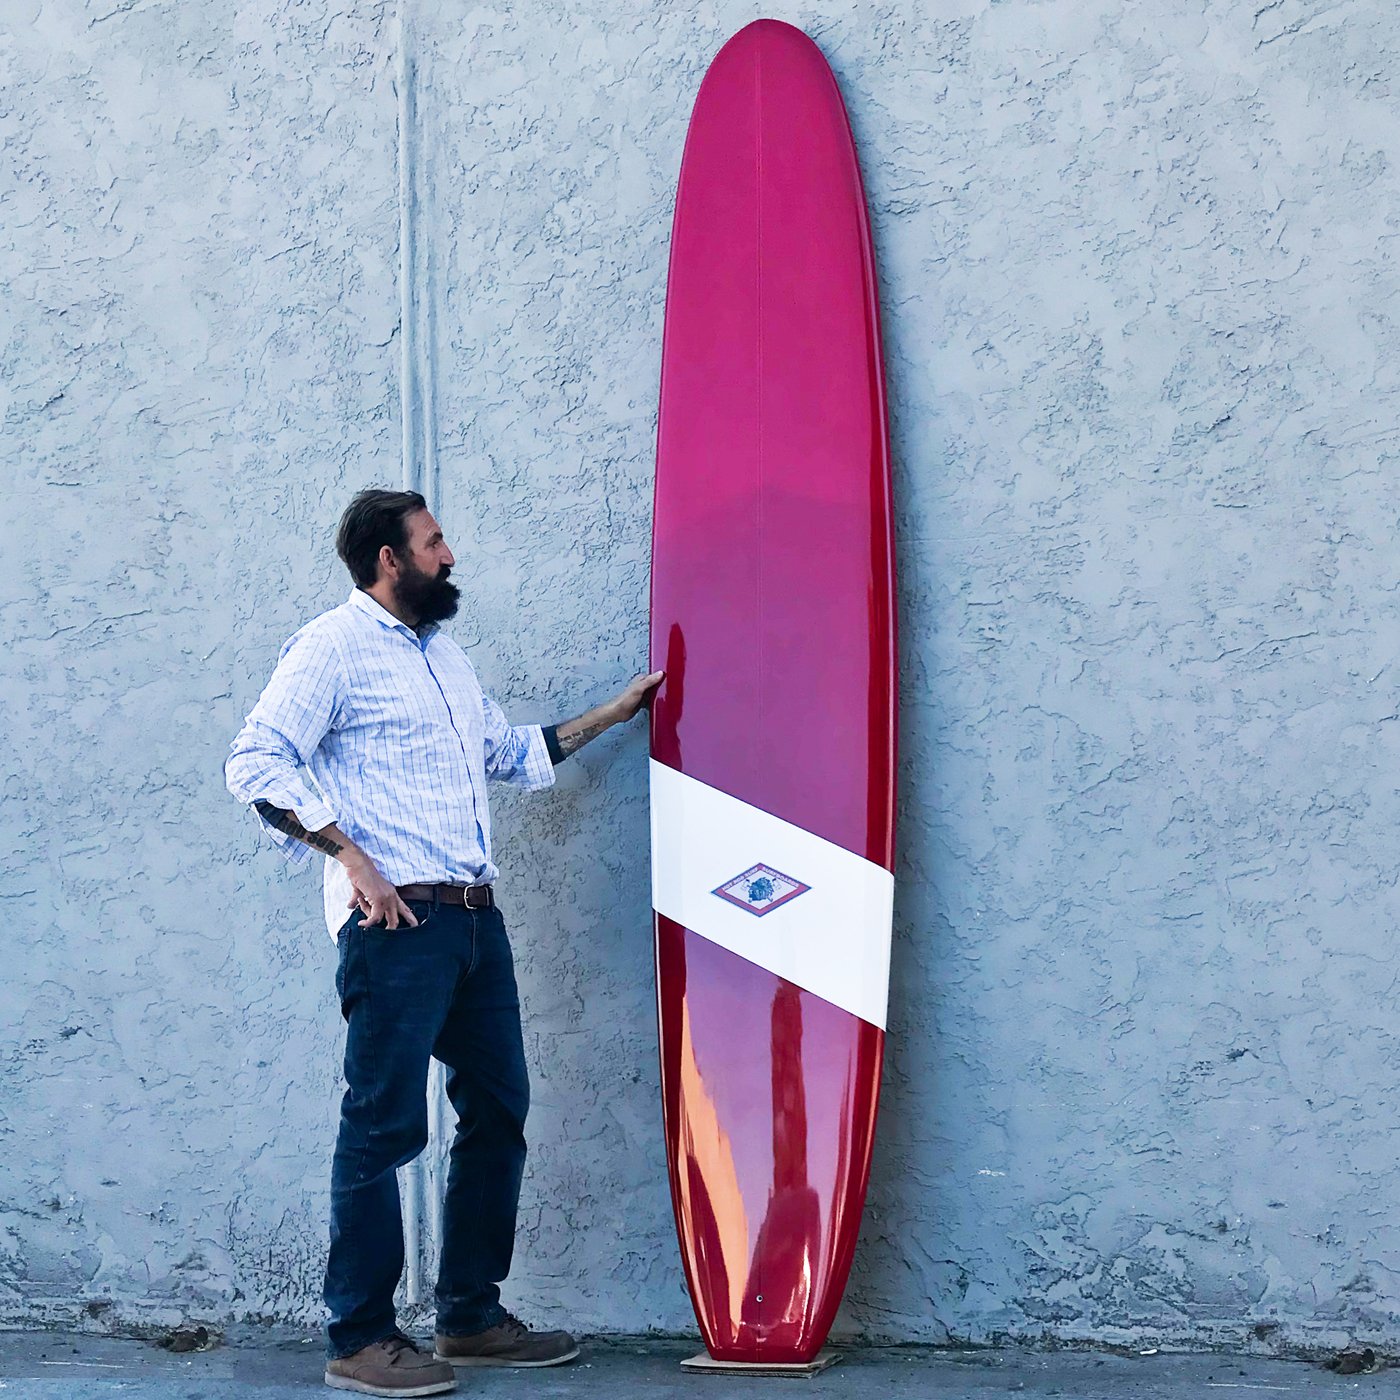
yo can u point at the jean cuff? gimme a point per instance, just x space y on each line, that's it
339 1354
468 1324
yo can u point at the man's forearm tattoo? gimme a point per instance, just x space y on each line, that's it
287 822
570 743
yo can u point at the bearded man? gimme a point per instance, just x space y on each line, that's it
372 744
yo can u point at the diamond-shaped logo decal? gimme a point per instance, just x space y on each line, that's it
761 889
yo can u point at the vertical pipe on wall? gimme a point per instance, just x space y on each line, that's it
424 1177
417 291
411 1176
417 390
412 378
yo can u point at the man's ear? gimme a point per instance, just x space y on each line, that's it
388 563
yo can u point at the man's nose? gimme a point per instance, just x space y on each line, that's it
450 561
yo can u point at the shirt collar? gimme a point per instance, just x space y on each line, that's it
370 606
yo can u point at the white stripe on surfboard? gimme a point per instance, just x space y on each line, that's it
736 875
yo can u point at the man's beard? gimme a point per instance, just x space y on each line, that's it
430 598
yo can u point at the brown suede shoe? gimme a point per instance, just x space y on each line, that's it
395 1366
509 1343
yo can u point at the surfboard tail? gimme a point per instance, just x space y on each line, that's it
771 1110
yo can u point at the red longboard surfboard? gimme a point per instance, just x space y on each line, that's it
773 734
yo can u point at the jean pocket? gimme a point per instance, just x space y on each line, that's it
422 910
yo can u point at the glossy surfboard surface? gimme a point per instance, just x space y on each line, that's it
773 734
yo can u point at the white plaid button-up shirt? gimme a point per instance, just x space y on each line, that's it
397 738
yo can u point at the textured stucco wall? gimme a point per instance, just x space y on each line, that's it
1141 305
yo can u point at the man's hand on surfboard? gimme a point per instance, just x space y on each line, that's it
630 700
573 735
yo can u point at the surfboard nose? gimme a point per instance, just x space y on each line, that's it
769 41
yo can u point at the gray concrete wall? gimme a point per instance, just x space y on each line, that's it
1140 290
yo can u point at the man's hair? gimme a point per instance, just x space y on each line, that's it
373 519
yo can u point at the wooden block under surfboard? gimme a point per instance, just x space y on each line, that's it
707 1364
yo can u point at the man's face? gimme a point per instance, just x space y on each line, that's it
422 587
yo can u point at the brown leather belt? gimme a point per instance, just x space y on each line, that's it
472 896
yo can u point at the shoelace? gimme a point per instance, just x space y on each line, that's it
397 1344
515 1325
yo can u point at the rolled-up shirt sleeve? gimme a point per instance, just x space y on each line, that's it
299 706
515 754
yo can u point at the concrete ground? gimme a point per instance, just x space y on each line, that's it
49 1366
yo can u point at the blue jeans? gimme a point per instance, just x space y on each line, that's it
445 989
